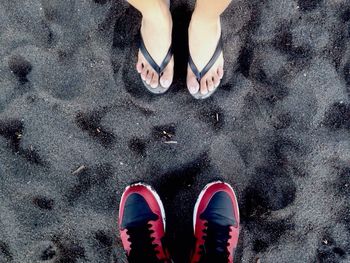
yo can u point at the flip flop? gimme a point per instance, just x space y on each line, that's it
158 69
199 74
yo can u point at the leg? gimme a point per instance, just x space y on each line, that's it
204 33
211 10
156 32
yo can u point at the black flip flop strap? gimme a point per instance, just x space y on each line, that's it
151 61
200 74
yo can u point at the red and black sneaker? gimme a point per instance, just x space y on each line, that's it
142 225
216 224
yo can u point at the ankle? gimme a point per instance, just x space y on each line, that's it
157 12
157 21
201 20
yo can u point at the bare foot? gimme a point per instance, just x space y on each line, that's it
203 37
156 33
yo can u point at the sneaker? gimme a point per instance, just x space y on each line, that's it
142 225
216 224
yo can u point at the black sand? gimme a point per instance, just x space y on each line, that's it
76 126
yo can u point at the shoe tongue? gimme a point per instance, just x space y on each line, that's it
141 221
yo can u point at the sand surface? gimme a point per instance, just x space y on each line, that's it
77 125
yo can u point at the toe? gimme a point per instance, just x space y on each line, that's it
154 81
216 80
192 85
210 83
144 73
139 67
166 79
220 72
149 76
167 76
204 87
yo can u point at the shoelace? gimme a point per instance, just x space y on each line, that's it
215 248
142 247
